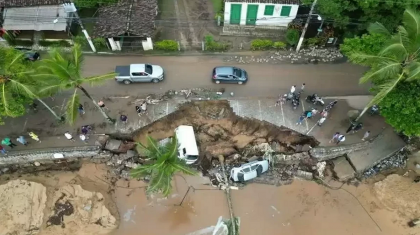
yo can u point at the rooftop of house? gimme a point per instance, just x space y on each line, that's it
286 2
36 18
133 17
29 3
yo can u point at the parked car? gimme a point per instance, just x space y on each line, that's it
229 75
249 170
29 54
139 73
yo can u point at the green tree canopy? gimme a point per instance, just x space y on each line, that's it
357 14
63 71
370 44
165 164
17 87
397 62
401 108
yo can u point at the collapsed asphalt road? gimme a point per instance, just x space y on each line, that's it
266 80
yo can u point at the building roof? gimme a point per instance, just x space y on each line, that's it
37 18
134 17
286 2
29 3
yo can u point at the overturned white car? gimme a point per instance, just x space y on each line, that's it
249 170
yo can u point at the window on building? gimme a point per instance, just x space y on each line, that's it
285 10
269 10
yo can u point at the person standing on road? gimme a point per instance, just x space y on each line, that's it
138 110
302 88
123 118
85 130
21 139
83 138
366 135
293 89
358 127
341 138
351 127
101 104
8 142
81 109
322 120
301 119
2 150
144 107
68 136
34 136
335 137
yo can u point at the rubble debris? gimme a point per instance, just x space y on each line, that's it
304 56
320 168
398 160
304 174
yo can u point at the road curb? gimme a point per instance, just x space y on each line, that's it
347 97
47 154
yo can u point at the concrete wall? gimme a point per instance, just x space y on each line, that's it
274 20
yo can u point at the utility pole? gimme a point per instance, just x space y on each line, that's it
71 8
302 36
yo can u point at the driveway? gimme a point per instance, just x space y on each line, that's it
266 80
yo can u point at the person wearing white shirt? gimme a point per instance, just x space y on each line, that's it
68 136
293 89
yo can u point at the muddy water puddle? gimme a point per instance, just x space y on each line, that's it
185 211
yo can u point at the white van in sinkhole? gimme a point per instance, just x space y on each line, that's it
187 144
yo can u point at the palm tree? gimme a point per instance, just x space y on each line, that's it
63 70
397 62
17 84
165 163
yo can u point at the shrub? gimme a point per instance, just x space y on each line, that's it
100 43
279 45
24 43
61 43
81 40
292 36
211 45
261 44
166 45
313 41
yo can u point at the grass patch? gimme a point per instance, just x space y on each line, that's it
217 6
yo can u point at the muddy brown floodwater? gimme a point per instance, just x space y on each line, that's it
301 208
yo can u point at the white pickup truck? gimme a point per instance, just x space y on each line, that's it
139 73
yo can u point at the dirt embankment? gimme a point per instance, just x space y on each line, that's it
399 193
57 203
220 131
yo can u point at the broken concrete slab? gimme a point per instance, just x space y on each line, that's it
328 153
343 170
382 147
113 145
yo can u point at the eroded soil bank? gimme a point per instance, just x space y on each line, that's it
219 131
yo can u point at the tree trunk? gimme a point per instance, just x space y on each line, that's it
363 112
108 118
50 109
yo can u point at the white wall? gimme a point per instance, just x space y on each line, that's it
274 20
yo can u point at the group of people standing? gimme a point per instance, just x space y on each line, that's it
21 139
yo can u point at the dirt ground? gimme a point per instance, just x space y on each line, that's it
303 207
187 21
220 131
